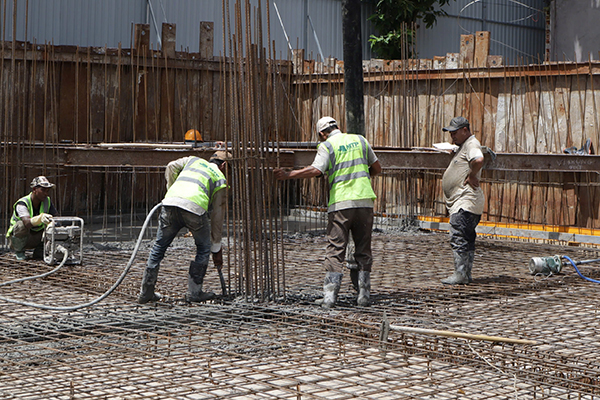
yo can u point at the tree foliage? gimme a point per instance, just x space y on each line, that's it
395 22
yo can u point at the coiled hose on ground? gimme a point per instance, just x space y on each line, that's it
65 257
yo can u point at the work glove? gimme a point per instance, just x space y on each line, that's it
43 218
218 258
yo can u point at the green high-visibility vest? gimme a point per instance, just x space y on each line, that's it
348 171
198 182
44 208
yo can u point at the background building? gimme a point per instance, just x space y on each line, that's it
518 28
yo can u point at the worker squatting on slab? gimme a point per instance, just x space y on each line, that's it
193 186
464 198
350 163
31 215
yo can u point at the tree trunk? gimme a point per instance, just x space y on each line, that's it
353 72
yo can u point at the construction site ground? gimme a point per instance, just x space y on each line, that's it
290 348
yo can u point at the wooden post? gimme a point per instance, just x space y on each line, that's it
353 72
169 34
467 49
298 61
494 61
206 40
206 82
142 37
168 113
482 48
141 125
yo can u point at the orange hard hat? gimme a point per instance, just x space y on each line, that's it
193 136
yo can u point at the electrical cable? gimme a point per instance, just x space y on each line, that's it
103 296
573 263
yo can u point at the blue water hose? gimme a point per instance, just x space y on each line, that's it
577 269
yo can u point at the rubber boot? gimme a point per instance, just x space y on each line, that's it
331 288
364 286
38 252
459 277
470 265
195 281
351 263
354 273
147 293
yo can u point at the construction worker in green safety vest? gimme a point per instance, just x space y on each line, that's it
349 162
194 186
31 215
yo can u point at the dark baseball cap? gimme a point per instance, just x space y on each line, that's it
456 124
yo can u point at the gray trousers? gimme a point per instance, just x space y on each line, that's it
359 221
23 238
462 230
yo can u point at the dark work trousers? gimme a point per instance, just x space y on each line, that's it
170 222
462 229
359 221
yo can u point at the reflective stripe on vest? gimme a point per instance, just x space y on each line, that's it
44 208
198 182
348 171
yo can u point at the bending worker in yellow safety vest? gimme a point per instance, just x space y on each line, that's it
350 163
194 186
31 215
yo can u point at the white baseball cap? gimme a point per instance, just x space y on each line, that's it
325 123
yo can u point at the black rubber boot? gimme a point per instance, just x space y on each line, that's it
364 286
38 252
147 293
195 281
354 273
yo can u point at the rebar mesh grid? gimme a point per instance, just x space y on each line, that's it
291 349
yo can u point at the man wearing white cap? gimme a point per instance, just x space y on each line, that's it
194 185
464 198
349 162
31 215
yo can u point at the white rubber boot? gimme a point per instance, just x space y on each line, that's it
331 288
459 277
364 289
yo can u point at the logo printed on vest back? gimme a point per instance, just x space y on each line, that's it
348 147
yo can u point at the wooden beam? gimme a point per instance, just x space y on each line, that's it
155 155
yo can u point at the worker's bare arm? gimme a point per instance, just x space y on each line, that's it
476 164
306 172
375 169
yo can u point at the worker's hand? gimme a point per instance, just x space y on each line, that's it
473 181
281 174
41 219
218 258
